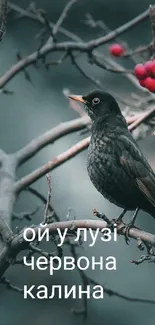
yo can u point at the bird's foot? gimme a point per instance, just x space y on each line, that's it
118 220
127 229
129 226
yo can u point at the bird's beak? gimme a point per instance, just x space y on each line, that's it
78 98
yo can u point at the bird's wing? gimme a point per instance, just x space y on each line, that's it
137 167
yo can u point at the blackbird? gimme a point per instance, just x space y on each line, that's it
115 163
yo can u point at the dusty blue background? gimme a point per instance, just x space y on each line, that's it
35 109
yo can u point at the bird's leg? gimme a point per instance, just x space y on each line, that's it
120 217
130 225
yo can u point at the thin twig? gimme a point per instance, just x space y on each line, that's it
24 215
63 15
41 197
48 177
95 60
9 285
142 118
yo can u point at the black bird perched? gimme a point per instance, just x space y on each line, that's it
116 165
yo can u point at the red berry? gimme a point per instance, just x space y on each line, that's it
142 82
150 84
153 68
116 49
148 67
140 71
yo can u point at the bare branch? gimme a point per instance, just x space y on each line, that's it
150 258
7 196
89 77
87 280
138 50
24 215
129 76
152 18
9 285
127 298
95 60
40 251
33 191
26 73
49 137
141 118
48 199
118 31
134 233
17 242
57 62
63 16
3 15
36 17
48 26
41 171
84 47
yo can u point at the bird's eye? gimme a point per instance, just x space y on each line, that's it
95 100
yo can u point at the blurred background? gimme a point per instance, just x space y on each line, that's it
38 106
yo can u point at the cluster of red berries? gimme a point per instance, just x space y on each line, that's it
145 74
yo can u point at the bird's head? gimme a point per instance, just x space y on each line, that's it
98 104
